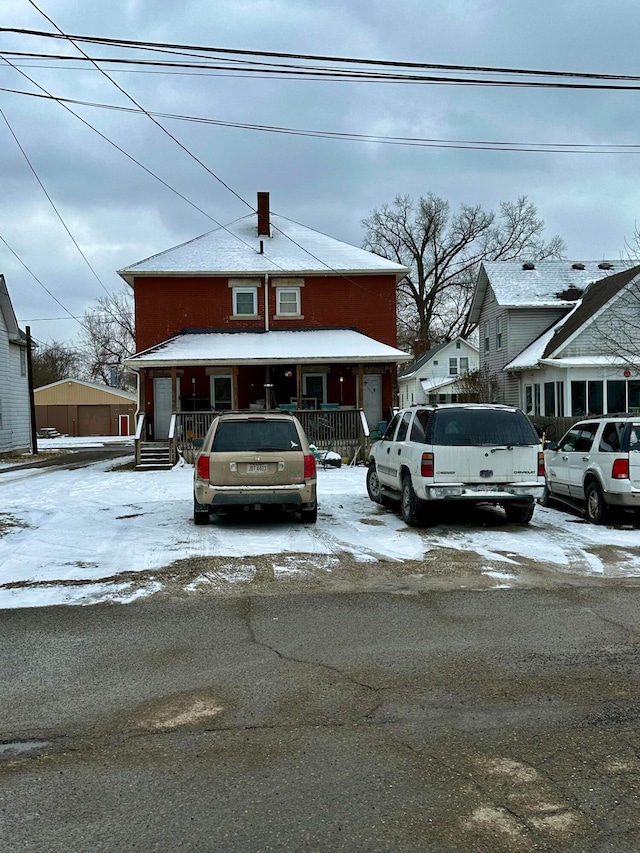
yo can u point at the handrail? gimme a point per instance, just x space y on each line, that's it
172 426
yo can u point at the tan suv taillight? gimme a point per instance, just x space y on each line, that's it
426 465
309 466
620 469
540 464
203 467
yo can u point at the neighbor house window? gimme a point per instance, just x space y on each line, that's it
453 367
549 398
595 398
579 398
487 338
288 301
23 361
616 396
528 399
536 399
464 365
498 332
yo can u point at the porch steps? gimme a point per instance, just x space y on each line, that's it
153 456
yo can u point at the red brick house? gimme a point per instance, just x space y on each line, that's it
264 313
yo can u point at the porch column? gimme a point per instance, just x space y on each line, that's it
142 384
174 389
234 379
394 389
361 386
299 385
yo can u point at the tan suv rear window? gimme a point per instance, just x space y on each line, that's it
257 436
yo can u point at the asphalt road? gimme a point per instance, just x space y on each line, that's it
79 458
435 721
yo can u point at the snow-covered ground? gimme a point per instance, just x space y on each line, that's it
103 533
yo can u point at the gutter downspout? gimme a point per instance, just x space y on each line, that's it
266 302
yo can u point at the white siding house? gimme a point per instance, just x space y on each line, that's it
434 377
15 415
557 355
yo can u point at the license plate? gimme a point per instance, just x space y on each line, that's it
256 469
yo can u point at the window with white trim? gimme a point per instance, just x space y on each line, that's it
287 301
23 361
498 332
487 337
453 367
464 364
245 301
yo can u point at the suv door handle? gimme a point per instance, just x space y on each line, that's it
398 451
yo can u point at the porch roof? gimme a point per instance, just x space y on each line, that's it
285 347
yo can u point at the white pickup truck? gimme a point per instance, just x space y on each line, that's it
471 452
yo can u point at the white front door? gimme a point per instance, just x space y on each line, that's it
372 403
162 405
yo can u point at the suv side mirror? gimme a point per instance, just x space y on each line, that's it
550 445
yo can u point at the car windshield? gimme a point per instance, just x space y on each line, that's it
460 427
256 436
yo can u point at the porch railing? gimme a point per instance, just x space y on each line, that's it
343 430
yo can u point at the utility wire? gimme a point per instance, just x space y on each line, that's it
43 286
307 57
51 202
409 141
133 101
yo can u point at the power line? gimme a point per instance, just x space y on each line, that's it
308 57
409 141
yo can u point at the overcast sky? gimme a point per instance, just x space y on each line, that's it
119 214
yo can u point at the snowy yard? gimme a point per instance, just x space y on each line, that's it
103 534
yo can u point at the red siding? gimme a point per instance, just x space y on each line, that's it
167 305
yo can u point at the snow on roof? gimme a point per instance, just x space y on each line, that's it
329 345
118 392
292 248
514 286
434 384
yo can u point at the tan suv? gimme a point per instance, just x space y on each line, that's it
252 460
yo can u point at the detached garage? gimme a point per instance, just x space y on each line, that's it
74 407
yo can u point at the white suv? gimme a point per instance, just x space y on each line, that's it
596 464
468 452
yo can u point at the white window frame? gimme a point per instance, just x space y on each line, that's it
487 338
498 333
453 366
280 291
236 291
463 368
23 361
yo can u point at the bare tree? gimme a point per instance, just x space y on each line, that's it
443 252
480 386
53 362
107 338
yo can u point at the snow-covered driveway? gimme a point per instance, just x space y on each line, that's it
102 533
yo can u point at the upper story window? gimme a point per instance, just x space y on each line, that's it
464 364
245 298
288 295
487 338
23 361
288 301
498 332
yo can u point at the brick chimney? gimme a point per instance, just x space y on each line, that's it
419 348
264 226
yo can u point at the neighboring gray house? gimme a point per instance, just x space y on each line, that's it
15 414
542 334
434 377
